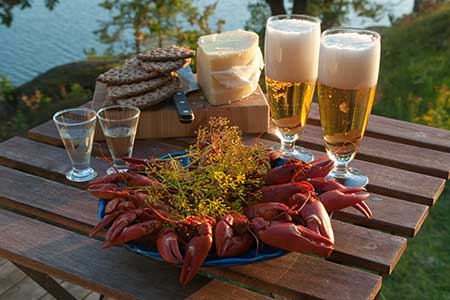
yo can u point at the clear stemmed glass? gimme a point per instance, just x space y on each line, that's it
119 125
291 53
76 127
348 74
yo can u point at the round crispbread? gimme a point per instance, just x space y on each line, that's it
164 67
153 97
166 53
136 89
129 73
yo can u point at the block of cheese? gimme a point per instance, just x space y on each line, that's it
228 65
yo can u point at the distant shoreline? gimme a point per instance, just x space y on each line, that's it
40 39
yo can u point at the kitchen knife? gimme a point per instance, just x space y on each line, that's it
188 84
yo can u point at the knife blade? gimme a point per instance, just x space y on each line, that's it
188 84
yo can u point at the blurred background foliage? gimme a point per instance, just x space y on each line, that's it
414 85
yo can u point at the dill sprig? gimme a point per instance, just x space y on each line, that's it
221 174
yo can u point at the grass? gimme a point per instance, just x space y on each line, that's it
415 70
424 270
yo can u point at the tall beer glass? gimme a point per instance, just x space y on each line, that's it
348 73
291 56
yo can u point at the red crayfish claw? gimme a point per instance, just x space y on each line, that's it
128 178
314 214
269 211
296 170
113 209
322 185
232 236
344 197
319 168
134 232
107 191
282 192
167 245
291 237
197 250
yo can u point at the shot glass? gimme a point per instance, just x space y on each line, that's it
76 127
119 124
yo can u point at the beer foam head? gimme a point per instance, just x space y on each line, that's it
292 49
349 60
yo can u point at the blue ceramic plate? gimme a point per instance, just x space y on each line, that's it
251 256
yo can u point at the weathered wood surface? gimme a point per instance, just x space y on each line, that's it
219 290
399 131
60 204
39 165
250 114
76 258
77 291
10 276
25 289
79 259
22 154
47 283
392 215
284 277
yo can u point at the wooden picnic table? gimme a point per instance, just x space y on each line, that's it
44 221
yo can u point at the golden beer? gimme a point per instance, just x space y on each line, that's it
289 103
344 114
291 52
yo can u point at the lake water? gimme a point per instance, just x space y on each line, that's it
40 39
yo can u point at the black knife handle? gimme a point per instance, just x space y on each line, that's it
185 113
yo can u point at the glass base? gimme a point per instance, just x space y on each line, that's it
352 178
114 169
298 153
81 176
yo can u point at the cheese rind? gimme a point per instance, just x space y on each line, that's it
228 65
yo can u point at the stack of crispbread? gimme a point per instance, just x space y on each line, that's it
147 79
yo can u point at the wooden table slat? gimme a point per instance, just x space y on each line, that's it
369 249
391 215
283 277
76 258
220 290
58 203
46 133
399 131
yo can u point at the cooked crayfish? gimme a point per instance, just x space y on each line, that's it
291 212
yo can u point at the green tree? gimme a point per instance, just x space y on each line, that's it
332 13
154 23
6 8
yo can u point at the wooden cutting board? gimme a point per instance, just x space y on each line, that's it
251 114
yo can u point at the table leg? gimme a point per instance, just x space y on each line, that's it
47 283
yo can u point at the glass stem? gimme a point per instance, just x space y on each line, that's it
287 146
340 169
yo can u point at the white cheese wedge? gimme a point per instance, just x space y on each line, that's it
228 65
